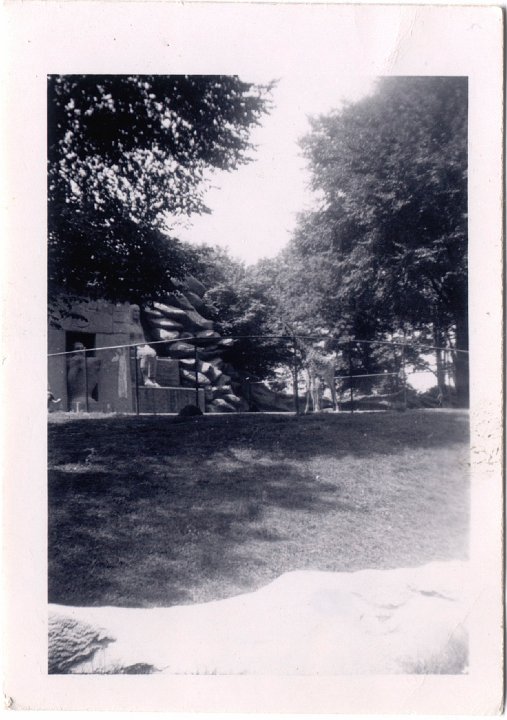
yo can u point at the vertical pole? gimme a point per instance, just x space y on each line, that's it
86 380
248 390
196 375
351 379
404 378
296 381
136 376
396 380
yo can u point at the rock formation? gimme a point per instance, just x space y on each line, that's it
408 621
72 642
181 321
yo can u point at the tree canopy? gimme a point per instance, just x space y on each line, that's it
126 154
386 251
241 304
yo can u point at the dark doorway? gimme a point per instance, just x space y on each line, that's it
88 340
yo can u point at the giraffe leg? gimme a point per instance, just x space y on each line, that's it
309 396
335 397
308 382
316 395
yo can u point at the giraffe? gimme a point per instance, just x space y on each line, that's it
319 370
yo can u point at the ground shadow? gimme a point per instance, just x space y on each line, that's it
144 512
154 538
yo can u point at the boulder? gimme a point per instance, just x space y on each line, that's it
207 334
379 622
181 350
171 312
161 334
189 376
195 286
210 370
223 380
211 354
152 313
264 399
221 405
71 643
179 300
232 399
198 321
167 324
195 300
187 363
220 391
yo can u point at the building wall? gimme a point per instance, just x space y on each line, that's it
101 324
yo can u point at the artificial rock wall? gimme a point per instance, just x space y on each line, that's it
181 317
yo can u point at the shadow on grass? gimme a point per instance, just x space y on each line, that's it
146 512
151 536
362 435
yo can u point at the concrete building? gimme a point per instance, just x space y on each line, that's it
92 368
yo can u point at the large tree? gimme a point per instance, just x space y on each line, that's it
126 154
241 303
391 231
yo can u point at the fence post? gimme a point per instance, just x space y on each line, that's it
248 388
196 376
296 381
396 380
86 380
351 379
136 380
404 377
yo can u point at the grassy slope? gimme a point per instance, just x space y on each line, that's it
149 511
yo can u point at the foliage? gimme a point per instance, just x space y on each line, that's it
241 304
386 252
126 154
122 260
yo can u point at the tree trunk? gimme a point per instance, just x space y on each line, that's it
461 367
439 358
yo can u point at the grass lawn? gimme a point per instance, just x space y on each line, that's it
147 511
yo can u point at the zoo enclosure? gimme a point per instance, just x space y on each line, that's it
122 386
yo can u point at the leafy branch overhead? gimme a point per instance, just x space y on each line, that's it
127 154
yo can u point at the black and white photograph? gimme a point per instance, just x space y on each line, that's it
271 344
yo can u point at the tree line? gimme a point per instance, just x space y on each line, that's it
382 256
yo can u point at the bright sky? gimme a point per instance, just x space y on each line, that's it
254 208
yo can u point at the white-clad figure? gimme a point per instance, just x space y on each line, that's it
146 355
121 357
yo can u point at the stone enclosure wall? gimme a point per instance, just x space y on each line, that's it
179 318
108 383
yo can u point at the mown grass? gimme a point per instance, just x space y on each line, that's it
148 511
